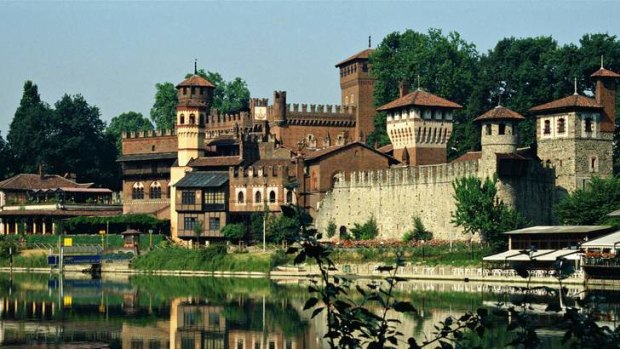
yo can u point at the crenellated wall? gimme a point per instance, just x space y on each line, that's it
160 141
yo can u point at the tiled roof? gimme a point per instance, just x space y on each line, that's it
212 161
573 101
420 98
360 55
273 162
386 148
500 113
27 181
201 179
60 212
469 156
314 155
223 140
605 73
196 80
147 156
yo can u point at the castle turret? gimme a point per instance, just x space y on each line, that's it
195 96
278 110
606 96
499 136
419 124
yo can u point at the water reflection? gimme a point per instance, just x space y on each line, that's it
145 312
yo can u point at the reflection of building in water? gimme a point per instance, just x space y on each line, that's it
156 336
196 325
239 339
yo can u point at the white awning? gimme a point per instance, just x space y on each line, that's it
525 257
607 241
501 257
564 253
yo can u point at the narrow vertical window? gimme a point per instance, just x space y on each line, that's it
561 125
547 128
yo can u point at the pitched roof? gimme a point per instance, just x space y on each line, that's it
196 80
420 98
213 161
317 154
203 179
561 229
360 55
469 156
28 181
574 101
386 148
147 156
605 73
500 113
63 213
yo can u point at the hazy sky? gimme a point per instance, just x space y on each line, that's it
113 53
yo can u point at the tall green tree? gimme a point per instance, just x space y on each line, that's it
29 135
127 122
479 210
5 159
591 204
163 112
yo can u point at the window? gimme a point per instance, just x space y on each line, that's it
189 223
214 197
258 198
365 67
201 119
561 125
593 164
502 129
240 344
289 196
188 197
184 90
137 192
240 197
588 125
214 223
193 90
155 190
547 128
182 119
272 197
152 148
192 119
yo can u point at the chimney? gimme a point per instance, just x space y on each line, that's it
42 171
606 96
403 89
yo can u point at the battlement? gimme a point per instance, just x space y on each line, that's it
414 175
237 174
216 118
148 134
321 109
259 102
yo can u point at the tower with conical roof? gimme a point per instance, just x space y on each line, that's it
575 133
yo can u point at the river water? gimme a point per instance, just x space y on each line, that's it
153 312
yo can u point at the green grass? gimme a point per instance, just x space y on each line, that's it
209 259
33 261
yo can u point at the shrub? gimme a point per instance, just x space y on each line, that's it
366 231
330 230
234 232
419 230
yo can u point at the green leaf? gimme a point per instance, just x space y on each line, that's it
403 307
311 302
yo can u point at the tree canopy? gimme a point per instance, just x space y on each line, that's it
127 122
68 138
5 159
590 205
228 96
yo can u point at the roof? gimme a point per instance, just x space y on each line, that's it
360 55
317 154
223 140
195 80
386 148
147 156
542 255
469 156
609 240
560 229
500 113
615 213
420 98
272 162
501 257
27 181
216 161
574 101
60 212
605 73
76 190
202 179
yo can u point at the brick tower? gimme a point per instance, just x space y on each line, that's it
357 85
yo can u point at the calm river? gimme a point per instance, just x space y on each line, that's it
149 312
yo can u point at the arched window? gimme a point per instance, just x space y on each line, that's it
342 232
155 190
588 124
547 128
502 129
289 196
272 197
182 119
311 141
192 119
240 197
561 125
258 198
137 192
593 164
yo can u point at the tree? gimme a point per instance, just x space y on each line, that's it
127 122
164 110
331 228
29 134
591 204
228 97
233 232
366 231
5 159
479 210
419 231
197 229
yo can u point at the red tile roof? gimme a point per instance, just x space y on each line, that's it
60 212
500 113
28 181
214 161
386 148
571 102
469 156
420 98
360 55
196 80
605 73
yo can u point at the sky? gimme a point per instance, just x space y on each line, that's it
113 53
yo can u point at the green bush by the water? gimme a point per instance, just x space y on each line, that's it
31 261
212 258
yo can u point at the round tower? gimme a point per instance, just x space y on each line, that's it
195 95
498 136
